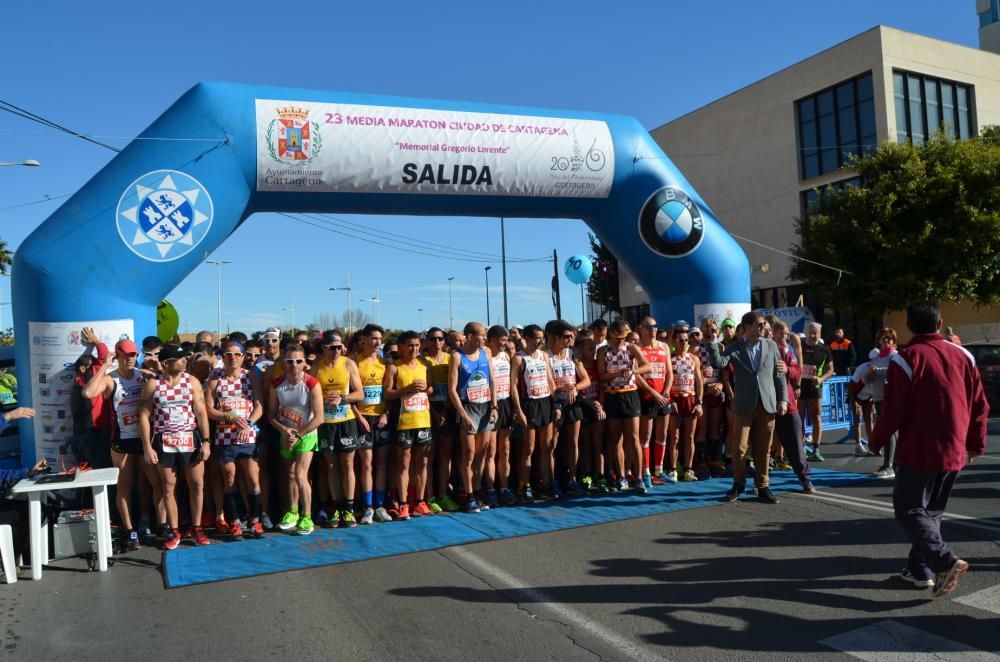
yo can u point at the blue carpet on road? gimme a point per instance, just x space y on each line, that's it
278 552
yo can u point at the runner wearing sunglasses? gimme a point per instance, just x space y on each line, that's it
341 386
267 368
442 419
654 390
375 433
570 378
296 411
232 402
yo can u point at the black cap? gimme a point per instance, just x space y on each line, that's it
170 352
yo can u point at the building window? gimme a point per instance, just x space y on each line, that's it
834 125
991 15
810 199
926 105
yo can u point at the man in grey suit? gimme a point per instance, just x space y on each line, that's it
759 396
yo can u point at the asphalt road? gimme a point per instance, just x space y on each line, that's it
802 580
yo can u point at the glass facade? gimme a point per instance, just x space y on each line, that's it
834 124
991 15
810 198
926 105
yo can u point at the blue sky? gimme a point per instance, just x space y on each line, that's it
109 69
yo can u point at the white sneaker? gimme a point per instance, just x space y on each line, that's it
672 476
885 473
367 517
861 451
382 515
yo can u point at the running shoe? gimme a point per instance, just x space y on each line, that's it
587 482
289 521
368 517
601 485
817 456
885 473
199 537
382 515
492 499
782 465
808 439
703 473
527 496
304 526
574 488
421 509
623 484
688 476
647 480
659 478
236 530
322 518
132 544
946 582
861 451
808 487
403 512
919 583
554 491
257 529
347 520
333 519
173 539
448 504
639 486
221 526
144 530
507 497
265 521
672 477
435 508
472 506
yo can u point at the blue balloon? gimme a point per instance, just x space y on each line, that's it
578 269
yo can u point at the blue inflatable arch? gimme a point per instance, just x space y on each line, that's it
153 214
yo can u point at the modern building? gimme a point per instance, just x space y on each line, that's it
989 24
758 155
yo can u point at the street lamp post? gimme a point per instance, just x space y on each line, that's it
451 316
420 319
219 264
350 313
374 301
31 163
291 316
487 269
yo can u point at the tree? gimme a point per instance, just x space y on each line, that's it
324 321
923 224
602 288
6 258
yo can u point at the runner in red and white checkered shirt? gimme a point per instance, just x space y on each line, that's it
173 425
231 401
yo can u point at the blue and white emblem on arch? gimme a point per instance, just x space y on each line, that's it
163 215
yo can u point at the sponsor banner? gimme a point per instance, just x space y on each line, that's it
797 318
55 347
346 148
720 311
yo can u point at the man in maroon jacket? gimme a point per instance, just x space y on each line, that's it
935 400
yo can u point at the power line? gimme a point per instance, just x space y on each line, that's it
794 257
28 115
62 134
37 202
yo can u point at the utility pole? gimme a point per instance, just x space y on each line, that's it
451 316
488 267
503 261
555 284
219 264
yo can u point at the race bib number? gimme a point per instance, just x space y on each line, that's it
808 372
178 442
373 396
659 371
238 406
440 393
538 386
503 386
415 402
129 420
478 389
291 417
335 412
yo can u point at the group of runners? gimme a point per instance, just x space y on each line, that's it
325 429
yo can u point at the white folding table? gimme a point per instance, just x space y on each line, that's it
97 480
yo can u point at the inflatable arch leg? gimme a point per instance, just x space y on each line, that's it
110 253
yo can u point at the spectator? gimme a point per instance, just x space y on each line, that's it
934 399
14 512
844 353
92 419
950 335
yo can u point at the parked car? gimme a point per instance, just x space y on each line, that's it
987 357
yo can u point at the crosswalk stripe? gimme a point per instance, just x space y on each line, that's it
889 641
872 504
987 599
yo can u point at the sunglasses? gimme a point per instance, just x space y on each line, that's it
295 361
649 327
336 347
229 355
270 340
130 355
253 355
438 338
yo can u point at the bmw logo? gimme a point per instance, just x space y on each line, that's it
670 223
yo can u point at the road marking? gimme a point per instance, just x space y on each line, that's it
889 641
988 599
881 506
628 648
